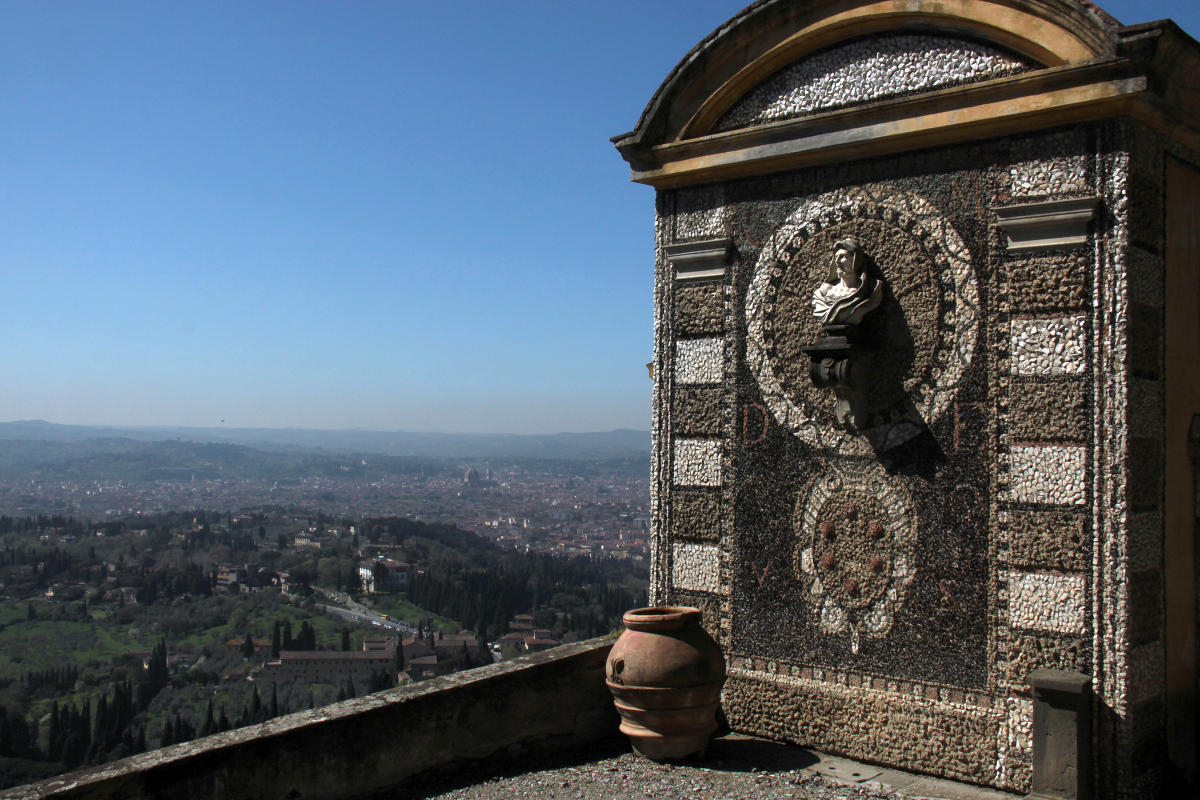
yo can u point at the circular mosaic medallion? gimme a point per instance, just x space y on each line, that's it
924 331
856 537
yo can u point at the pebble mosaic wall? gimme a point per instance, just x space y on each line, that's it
1048 539
1016 372
866 70
1013 764
697 462
1044 601
1050 166
1052 282
696 516
856 551
1032 651
1048 474
696 567
698 311
1051 346
699 411
699 213
945 731
699 360
1055 410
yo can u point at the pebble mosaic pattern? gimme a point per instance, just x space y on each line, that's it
1035 175
866 70
1055 410
1111 509
696 515
699 212
1048 474
1013 766
1051 346
1044 651
1040 178
1048 540
951 738
698 311
856 555
1052 282
699 411
1044 601
660 436
696 567
697 462
1070 377
699 360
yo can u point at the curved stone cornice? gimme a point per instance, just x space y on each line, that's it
1084 66
771 34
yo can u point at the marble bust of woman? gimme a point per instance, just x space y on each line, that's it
849 292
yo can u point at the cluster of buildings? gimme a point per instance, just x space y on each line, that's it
461 498
401 660
526 638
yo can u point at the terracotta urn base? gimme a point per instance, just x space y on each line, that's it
665 674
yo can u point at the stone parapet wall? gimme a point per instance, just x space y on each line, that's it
536 704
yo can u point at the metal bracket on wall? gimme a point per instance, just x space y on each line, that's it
700 260
1047 225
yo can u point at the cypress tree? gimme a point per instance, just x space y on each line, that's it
168 734
53 743
210 724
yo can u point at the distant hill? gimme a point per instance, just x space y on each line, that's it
567 446
139 461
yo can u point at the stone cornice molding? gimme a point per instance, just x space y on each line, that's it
1049 225
1094 69
700 260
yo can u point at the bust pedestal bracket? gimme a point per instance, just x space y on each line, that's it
840 362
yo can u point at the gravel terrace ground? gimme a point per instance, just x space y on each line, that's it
734 768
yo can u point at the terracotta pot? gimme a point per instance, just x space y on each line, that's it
665 674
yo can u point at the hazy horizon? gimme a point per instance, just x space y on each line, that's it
360 429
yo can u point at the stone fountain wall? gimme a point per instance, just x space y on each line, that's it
884 593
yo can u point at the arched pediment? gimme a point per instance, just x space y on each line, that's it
772 48
868 69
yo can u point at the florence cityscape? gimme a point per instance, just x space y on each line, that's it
378 424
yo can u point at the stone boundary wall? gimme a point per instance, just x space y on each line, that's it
536 704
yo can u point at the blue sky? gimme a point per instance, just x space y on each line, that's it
401 215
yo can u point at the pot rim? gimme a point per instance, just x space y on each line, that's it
660 618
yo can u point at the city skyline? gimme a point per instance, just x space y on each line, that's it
376 216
